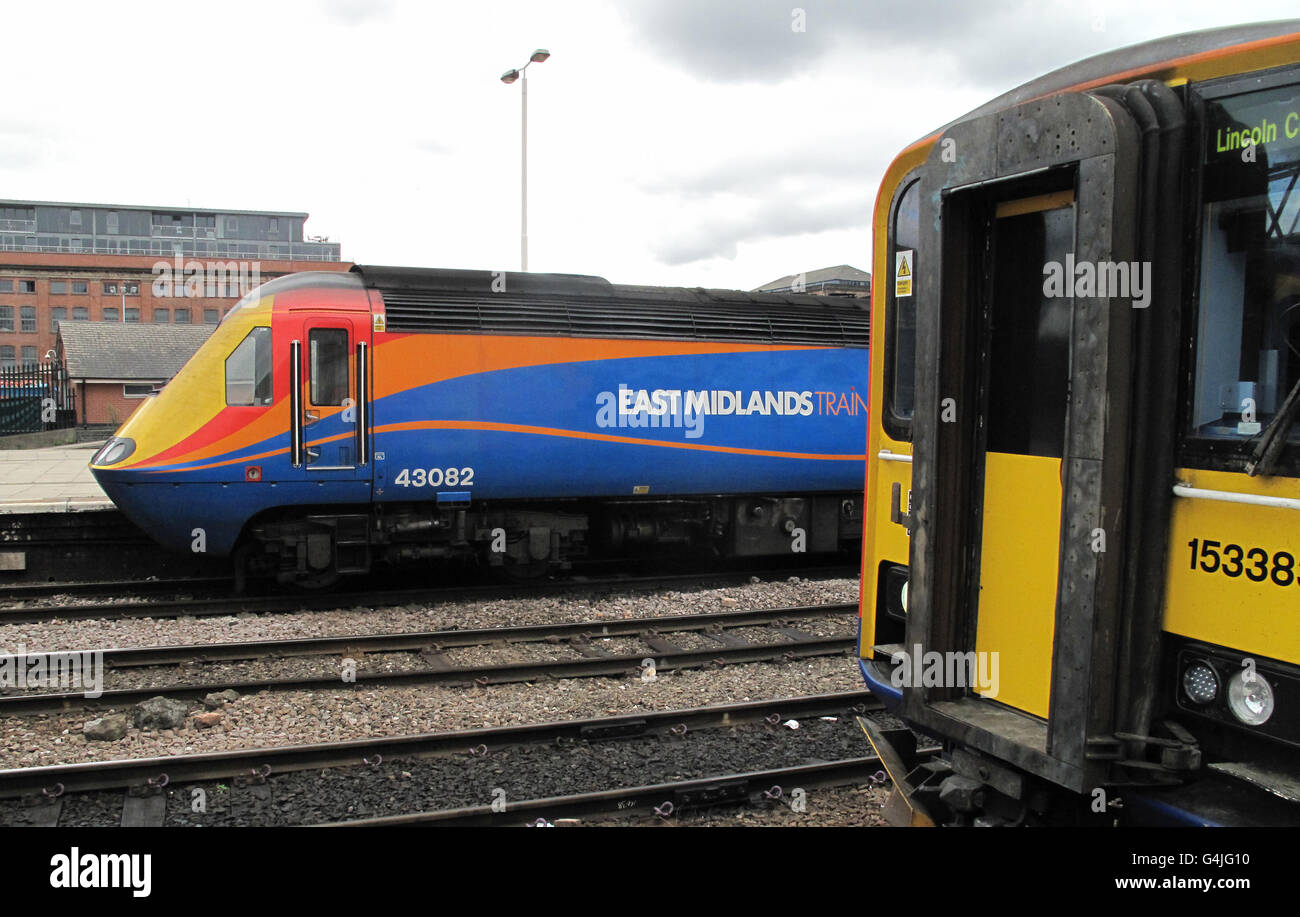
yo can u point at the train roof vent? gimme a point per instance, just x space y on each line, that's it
463 302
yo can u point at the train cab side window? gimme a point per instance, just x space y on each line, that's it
328 355
1247 358
900 348
248 370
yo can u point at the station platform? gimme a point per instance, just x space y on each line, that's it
51 480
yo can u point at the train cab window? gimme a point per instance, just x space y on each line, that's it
248 370
328 355
1247 357
900 347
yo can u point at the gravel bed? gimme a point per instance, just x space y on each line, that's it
505 653
824 807
581 604
218 673
453 781
356 711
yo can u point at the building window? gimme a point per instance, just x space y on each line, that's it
6 357
6 318
80 287
162 316
131 289
74 218
58 287
29 355
110 289
6 286
80 314
57 314
28 314
182 316
112 223
110 315
133 314
211 316
275 225
137 389
232 225
27 286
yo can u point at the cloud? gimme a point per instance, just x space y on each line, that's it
994 45
788 215
754 171
357 12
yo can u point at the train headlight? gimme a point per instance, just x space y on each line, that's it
1200 683
1250 699
114 451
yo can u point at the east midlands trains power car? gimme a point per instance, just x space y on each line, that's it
335 421
1083 508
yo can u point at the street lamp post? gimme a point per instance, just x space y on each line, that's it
508 77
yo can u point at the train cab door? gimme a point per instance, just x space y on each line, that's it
1023 394
1021 433
330 401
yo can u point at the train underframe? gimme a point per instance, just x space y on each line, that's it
528 540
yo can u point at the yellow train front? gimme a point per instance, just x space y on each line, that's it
1083 467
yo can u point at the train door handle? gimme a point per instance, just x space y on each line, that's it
896 514
311 417
312 455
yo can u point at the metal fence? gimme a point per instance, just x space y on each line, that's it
35 397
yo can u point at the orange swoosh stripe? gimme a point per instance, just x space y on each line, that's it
493 426
607 438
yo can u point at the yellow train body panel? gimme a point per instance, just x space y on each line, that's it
1018 577
1249 598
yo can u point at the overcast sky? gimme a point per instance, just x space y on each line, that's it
686 142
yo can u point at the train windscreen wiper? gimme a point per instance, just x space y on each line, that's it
1270 444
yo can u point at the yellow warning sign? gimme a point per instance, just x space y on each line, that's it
903 273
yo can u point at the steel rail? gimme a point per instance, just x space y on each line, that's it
661 799
258 763
427 641
507 673
289 604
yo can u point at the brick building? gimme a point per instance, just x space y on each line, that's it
137 266
112 367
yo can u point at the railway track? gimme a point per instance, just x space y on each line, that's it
729 649
661 800
300 602
46 789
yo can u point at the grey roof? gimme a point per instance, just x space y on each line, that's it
838 272
120 350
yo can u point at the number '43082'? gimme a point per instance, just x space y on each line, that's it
1256 564
435 477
